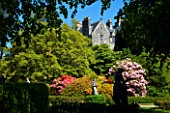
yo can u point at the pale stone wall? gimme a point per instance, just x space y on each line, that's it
100 35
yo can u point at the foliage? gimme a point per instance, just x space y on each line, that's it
47 58
106 90
159 78
145 24
163 104
79 104
155 65
148 110
80 87
133 74
23 98
74 55
37 67
157 69
65 99
60 83
146 99
104 57
37 62
96 99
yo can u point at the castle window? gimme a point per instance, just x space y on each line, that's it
101 39
111 40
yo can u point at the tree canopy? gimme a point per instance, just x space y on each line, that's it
145 25
47 57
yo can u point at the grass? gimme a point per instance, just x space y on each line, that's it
153 110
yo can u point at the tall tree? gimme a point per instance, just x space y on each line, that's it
37 62
47 57
74 53
146 24
104 59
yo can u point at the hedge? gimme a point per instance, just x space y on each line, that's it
23 98
65 104
88 104
163 104
147 99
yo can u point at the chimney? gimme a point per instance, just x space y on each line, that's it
120 21
86 26
109 23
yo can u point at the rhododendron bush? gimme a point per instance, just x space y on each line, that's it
133 74
60 83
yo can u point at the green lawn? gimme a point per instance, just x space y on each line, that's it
153 110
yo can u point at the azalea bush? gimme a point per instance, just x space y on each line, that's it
106 90
80 87
60 83
134 75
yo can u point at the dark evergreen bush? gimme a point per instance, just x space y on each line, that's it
23 98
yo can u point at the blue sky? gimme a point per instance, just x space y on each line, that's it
93 11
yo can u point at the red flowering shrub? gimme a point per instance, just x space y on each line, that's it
80 87
60 83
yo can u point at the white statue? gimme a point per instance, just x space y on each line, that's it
28 81
94 87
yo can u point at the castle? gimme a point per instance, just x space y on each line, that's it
98 32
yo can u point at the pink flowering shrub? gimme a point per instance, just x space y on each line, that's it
60 83
134 76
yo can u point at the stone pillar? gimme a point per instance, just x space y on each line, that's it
109 23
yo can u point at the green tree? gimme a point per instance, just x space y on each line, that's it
47 57
104 59
36 67
74 53
145 24
159 79
37 62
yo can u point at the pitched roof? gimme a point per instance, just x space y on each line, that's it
94 25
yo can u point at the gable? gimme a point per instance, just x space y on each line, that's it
99 26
